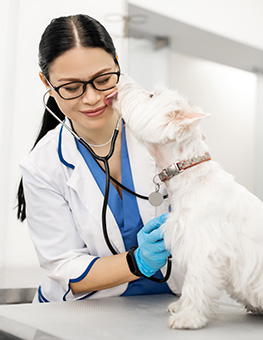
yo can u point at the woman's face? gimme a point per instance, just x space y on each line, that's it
88 112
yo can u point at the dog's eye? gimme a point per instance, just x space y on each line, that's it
151 95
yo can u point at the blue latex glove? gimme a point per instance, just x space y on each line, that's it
151 254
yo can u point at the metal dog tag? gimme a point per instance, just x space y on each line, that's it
156 198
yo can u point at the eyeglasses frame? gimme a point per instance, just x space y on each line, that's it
85 83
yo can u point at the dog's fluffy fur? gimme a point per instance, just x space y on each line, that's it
215 229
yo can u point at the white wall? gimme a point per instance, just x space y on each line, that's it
21 101
240 20
259 138
150 66
8 66
228 94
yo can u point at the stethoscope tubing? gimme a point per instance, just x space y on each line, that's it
105 159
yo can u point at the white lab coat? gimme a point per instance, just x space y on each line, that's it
64 204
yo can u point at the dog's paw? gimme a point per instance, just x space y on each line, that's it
174 307
187 320
254 310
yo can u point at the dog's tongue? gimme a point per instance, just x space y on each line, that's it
108 100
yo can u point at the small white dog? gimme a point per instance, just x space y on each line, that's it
215 229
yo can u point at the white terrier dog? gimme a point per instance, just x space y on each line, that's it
215 229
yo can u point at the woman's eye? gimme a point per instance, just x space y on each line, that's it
103 80
72 88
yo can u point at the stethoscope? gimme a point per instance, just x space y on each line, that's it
105 160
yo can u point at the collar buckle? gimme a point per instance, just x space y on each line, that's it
167 173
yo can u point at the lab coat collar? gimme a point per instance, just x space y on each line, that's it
60 153
82 182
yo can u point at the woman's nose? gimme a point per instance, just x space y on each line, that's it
91 96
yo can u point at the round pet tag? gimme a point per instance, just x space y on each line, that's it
156 198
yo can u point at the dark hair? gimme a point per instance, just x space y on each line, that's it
61 35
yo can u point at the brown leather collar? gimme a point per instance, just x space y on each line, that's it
178 167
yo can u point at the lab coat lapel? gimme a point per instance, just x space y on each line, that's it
84 184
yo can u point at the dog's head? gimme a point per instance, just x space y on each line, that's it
160 117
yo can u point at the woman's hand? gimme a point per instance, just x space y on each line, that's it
151 254
111 271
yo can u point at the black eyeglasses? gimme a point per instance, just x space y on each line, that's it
76 89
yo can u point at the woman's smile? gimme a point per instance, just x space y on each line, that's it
95 112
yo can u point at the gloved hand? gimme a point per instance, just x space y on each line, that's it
151 254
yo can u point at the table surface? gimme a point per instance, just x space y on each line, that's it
128 318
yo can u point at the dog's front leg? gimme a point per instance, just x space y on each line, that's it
201 288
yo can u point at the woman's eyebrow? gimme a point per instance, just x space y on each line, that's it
105 70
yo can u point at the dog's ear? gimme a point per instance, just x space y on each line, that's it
182 122
189 118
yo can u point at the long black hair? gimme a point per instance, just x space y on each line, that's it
61 35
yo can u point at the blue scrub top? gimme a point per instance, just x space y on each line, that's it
126 213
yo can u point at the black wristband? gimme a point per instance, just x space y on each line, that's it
132 262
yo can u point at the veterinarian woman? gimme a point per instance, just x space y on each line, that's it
62 189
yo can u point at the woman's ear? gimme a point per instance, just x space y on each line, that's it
44 81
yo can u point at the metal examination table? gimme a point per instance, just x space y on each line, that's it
124 318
